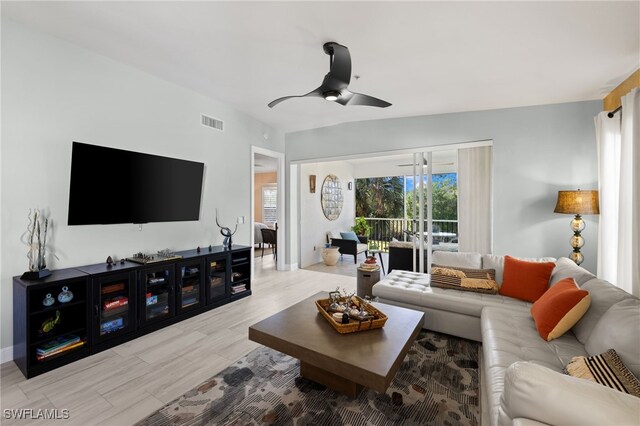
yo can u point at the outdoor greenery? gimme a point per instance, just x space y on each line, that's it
379 197
444 196
382 197
361 226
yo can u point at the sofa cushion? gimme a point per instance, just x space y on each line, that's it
509 336
349 235
458 259
619 328
559 308
413 288
492 261
567 268
525 280
603 296
606 369
361 247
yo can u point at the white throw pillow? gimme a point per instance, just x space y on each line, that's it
470 260
492 261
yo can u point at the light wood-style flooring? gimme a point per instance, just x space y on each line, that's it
128 382
345 265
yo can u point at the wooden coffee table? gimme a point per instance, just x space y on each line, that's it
343 362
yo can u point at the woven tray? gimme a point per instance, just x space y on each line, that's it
354 325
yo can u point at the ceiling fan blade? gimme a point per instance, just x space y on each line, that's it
340 70
350 98
314 93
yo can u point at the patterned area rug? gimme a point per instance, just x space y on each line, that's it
437 384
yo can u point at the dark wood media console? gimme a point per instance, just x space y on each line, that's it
118 303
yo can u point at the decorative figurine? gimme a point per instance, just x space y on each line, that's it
65 296
48 300
210 247
49 324
122 261
37 243
226 233
109 261
198 249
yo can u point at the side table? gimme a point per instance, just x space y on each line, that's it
365 280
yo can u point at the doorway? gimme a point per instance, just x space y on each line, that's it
267 209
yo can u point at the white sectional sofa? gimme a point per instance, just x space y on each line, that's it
521 372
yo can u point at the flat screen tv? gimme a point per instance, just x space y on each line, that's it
116 186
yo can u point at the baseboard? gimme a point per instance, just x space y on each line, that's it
6 354
290 266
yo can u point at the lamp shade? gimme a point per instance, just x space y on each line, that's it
578 202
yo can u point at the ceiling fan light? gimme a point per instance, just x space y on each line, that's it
331 96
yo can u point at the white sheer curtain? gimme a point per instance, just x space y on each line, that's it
608 143
474 200
619 180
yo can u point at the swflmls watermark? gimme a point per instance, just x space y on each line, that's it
35 414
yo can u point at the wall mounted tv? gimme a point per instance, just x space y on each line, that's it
116 186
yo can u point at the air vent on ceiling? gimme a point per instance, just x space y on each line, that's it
212 122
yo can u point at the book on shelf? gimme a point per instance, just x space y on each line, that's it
112 288
57 343
114 303
41 357
111 326
238 288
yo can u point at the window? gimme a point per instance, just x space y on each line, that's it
269 204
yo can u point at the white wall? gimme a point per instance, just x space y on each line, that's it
536 152
54 93
313 224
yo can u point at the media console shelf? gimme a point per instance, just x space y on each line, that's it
114 304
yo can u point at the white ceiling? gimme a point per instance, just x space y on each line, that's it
423 57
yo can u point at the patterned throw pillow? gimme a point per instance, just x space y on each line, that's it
606 369
476 280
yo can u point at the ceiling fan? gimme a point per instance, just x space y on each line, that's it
335 83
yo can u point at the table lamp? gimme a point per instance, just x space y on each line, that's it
577 203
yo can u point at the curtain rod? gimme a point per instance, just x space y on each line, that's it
612 113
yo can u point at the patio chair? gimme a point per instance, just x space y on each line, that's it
351 247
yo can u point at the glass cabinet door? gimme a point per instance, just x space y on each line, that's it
157 293
114 310
217 278
189 285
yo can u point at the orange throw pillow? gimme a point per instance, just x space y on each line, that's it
559 309
525 280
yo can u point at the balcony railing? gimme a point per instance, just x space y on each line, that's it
383 230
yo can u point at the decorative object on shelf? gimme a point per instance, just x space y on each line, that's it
330 255
49 324
312 184
65 295
109 261
577 203
35 237
198 249
226 232
331 197
48 300
122 261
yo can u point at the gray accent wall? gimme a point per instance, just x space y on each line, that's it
536 152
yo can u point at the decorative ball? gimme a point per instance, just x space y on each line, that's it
577 224
577 257
577 241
